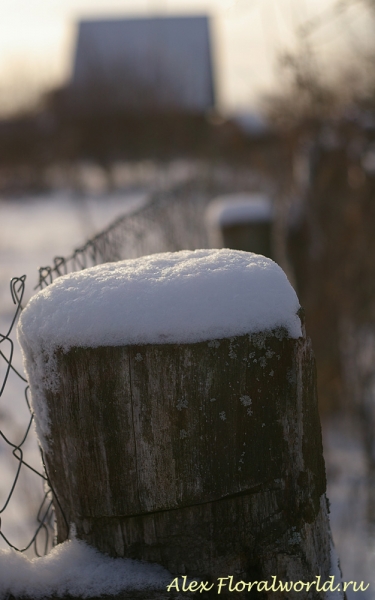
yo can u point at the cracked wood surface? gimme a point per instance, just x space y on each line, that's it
205 458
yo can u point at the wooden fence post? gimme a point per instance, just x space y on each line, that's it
242 222
203 456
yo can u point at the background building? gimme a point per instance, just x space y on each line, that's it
143 64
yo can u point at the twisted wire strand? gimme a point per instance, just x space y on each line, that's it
17 288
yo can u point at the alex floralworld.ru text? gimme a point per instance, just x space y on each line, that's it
227 584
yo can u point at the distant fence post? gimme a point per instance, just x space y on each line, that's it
202 456
243 222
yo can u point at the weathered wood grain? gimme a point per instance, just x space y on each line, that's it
205 458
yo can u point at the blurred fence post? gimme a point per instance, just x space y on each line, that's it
203 457
243 222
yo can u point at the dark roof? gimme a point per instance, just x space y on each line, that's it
161 62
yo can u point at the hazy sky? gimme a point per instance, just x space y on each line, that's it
37 38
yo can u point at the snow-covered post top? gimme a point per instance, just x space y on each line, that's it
174 398
241 221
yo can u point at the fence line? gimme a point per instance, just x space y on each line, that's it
170 219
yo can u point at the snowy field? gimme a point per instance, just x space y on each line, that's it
32 231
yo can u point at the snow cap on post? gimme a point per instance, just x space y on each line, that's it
181 297
239 208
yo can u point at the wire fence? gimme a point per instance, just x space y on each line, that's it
44 515
157 225
168 220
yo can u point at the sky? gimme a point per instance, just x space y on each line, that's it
37 40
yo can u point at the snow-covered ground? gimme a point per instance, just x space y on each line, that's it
352 501
32 231
79 570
